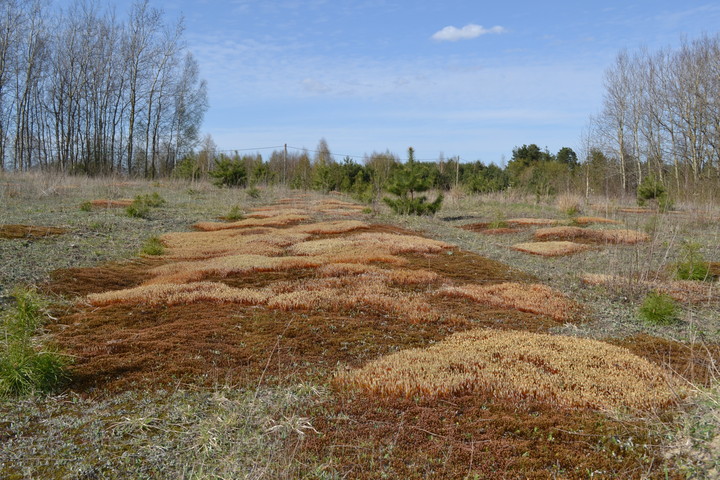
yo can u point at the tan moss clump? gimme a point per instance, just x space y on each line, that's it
270 212
624 236
380 243
532 221
589 220
326 228
516 366
203 245
278 221
551 249
533 298
173 294
182 272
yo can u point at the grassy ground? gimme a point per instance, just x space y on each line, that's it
270 411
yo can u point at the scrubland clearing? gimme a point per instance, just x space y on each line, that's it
316 337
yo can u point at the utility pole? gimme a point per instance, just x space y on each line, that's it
285 165
457 170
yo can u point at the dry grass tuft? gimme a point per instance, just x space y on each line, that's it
551 249
174 294
624 236
685 291
533 298
278 221
562 371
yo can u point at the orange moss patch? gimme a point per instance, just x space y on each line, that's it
636 210
330 228
103 203
270 212
685 291
203 245
624 236
386 243
551 249
12 231
278 221
534 298
482 227
520 366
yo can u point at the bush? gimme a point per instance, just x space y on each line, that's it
234 214
694 266
153 246
228 173
140 208
24 369
659 309
253 192
86 206
408 180
652 189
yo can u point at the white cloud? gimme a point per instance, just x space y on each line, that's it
453 34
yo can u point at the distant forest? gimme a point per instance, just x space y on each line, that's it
82 92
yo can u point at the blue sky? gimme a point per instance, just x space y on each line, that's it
457 77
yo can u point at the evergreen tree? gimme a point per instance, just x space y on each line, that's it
407 181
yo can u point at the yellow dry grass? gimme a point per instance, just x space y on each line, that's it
270 212
685 291
551 249
562 371
624 236
526 297
278 221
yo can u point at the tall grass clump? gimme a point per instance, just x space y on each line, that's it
25 367
659 309
153 246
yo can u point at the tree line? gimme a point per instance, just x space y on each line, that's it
660 121
83 92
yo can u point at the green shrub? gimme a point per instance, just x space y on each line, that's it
659 309
407 181
694 266
153 246
228 172
86 206
234 214
253 192
24 368
652 189
140 208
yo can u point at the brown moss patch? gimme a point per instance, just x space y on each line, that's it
276 221
533 298
532 221
467 267
636 210
552 248
111 276
120 345
520 366
13 231
694 362
484 227
474 436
